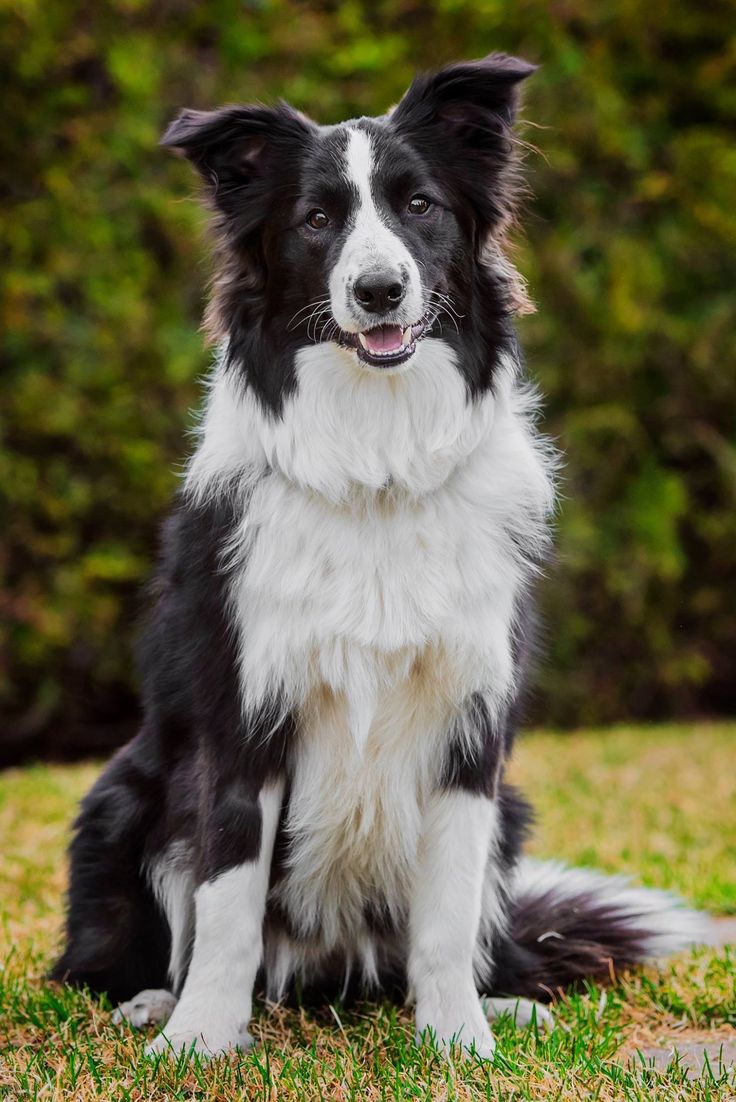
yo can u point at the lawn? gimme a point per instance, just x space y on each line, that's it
655 802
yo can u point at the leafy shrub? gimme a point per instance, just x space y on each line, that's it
629 251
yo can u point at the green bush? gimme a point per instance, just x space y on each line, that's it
629 251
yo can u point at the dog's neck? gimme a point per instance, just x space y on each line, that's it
346 433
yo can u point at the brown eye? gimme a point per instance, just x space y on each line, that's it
419 204
317 219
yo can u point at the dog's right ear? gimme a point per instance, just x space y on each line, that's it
235 148
461 119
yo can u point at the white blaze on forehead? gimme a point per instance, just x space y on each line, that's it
371 245
359 165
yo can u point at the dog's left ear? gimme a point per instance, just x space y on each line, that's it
236 152
462 116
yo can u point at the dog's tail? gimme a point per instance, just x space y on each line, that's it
570 924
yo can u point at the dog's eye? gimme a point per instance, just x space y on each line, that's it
419 204
317 219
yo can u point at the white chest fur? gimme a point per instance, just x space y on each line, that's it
387 536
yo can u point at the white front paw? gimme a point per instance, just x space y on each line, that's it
465 1027
207 1042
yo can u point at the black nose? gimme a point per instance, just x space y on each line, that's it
379 291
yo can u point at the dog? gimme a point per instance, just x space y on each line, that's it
342 617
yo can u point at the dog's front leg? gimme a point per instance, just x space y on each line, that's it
444 918
214 1009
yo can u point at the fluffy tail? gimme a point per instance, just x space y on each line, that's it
569 924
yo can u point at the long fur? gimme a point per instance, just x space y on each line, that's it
343 611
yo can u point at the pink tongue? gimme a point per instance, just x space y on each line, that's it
384 338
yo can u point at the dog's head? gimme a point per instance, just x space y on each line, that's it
372 235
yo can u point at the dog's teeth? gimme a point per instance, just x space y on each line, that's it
406 336
363 341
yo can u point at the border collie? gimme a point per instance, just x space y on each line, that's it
342 620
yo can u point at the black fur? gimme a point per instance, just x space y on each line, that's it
117 941
194 772
591 942
475 765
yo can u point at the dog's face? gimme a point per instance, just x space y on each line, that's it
369 235
378 233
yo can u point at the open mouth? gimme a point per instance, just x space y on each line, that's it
386 345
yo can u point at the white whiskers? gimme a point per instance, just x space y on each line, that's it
441 304
317 317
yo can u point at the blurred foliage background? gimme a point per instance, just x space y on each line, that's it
628 248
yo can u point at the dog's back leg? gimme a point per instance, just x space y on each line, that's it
117 936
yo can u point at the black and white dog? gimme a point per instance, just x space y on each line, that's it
342 618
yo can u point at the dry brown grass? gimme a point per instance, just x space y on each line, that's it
660 801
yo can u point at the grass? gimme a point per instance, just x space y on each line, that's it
657 802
